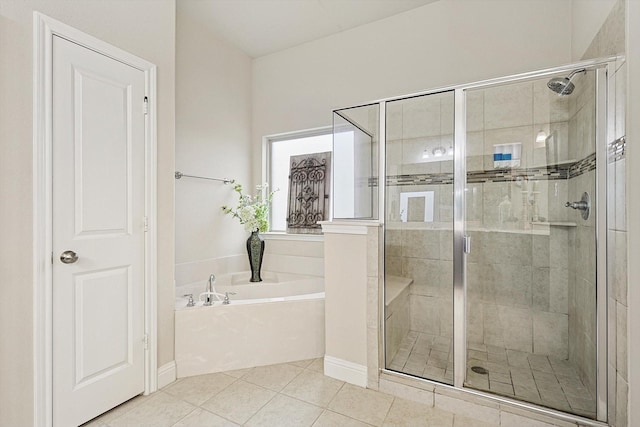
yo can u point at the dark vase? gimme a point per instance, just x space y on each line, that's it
255 249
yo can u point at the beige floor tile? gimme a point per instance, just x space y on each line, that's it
460 421
317 365
362 404
273 377
201 418
116 412
302 363
284 411
501 388
159 410
96 422
197 390
501 378
239 402
498 358
407 413
497 367
546 377
539 363
437 363
332 419
588 405
313 387
238 373
475 354
476 346
433 372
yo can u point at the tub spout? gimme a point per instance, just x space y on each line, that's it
210 291
209 297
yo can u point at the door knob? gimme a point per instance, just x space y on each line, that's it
68 257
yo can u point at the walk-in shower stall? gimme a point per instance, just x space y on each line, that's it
493 197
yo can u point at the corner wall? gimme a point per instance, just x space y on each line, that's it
213 119
609 40
146 29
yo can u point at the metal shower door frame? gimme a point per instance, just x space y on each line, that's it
603 69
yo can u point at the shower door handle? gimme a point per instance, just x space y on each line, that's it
466 244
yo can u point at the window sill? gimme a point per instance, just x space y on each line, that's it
280 235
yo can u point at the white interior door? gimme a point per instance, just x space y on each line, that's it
98 215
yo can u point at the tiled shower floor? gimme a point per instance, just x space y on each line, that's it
534 378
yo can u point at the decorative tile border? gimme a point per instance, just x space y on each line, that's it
563 171
546 173
507 175
585 165
617 149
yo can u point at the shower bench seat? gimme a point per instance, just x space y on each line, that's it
397 319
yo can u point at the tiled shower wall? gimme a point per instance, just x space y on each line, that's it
582 259
609 41
517 296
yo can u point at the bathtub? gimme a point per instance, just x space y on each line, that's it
278 320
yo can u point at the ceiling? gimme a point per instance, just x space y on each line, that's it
261 27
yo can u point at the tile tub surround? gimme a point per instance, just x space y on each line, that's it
283 254
298 394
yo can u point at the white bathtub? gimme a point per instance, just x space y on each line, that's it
275 321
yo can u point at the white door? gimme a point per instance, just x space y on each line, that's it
98 215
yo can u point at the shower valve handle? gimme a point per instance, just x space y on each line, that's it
584 205
581 206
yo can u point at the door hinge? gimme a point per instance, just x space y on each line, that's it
146 224
145 340
51 257
145 105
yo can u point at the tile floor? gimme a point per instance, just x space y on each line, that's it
534 378
290 394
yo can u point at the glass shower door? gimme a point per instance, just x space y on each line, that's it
419 236
531 272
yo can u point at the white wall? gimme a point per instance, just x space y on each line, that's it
142 27
587 16
213 119
439 44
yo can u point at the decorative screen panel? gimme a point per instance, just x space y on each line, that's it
308 192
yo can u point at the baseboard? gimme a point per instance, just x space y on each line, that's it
166 374
345 371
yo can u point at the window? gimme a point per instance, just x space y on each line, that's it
279 151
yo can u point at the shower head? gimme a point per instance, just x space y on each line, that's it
562 85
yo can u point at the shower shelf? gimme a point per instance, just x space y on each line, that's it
546 225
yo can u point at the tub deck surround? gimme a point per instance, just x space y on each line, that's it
279 321
274 287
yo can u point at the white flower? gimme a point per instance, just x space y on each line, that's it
252 211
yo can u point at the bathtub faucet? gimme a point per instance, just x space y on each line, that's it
209 297
226 297
211 290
